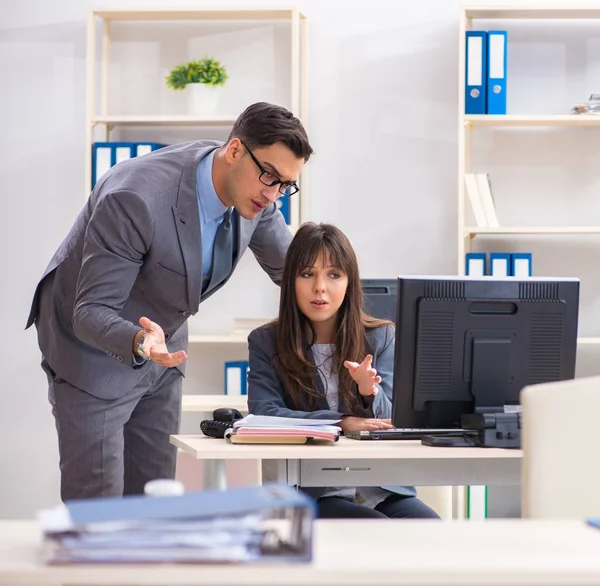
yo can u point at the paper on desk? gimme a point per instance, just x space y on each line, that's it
326 432
270 421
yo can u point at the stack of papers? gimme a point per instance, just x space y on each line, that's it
271 522
267 429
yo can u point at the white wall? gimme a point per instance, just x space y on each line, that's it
383 117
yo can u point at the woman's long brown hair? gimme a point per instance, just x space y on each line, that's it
296 366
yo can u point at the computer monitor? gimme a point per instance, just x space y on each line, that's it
468 345
380 297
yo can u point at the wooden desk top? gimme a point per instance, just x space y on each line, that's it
206 448
349 553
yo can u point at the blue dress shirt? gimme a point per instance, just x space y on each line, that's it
211 212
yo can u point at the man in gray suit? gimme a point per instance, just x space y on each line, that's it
158 235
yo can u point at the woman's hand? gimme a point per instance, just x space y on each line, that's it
365 376
351 423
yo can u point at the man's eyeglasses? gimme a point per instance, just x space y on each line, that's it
268 178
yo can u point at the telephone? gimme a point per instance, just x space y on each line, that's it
222 420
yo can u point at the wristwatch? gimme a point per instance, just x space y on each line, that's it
139 348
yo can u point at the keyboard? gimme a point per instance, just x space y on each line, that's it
404 433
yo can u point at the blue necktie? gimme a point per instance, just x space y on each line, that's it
222 259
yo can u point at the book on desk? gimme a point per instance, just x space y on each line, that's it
264 429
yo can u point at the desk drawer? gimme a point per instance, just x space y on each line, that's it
424 472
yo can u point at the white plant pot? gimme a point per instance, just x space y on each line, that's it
202 98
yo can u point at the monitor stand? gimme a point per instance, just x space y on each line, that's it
484 429
489 426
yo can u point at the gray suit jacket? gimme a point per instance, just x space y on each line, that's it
266 395
135 250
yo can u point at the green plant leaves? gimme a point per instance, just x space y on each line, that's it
208 71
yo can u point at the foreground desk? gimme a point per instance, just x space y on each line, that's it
361 463
494 552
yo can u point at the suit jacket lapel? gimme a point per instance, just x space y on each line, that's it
187 223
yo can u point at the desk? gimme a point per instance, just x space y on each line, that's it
361 463
494 552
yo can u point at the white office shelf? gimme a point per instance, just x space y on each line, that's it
530 11
208 403
184 120
531 120
474 230
232 338
186 14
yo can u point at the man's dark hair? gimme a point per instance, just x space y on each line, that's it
263 124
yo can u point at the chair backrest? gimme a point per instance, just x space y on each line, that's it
561 446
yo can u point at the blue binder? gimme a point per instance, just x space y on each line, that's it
236 377
496 72
522 264
476 264
143 148
500 264
107 154
476 72
273 523
206 504
283 203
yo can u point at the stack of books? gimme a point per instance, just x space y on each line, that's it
263 523
264 429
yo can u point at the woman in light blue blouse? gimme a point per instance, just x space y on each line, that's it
324 358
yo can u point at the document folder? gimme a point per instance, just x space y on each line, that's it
283 205
236 377
476 264
496 76
265 523
500 264
521 264
107 154
265 429
476 72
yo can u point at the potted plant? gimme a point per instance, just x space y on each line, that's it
203 80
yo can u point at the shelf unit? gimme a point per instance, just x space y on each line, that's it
232 338
472 120
100 120
469 123
208 403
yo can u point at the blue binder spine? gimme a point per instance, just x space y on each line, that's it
107 154
500 264
476 264
122 151
143 148
236 377
283 204
476 72
102 158
496 72
522 264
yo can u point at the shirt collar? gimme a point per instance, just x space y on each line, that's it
211 206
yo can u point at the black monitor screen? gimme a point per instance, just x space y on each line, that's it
470 344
